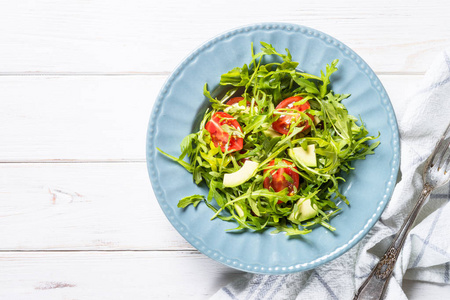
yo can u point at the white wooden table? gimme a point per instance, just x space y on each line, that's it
78 218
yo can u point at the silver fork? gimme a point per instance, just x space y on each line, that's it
436 173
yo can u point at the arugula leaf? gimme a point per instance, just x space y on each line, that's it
338 137
194 200
236 77
330 69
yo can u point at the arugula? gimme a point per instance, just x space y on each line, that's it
194 200
339 139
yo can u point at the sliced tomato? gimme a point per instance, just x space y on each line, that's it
283 123
278 179
235 100
219 136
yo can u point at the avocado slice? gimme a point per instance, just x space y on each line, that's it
316 120
305 210
270 132
307 157
240 176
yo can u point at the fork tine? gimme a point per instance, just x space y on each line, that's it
445 166
435 161
442 150
445 163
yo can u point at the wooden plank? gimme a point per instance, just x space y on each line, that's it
93 118
72 118
147 36
131 275
107 206
111 275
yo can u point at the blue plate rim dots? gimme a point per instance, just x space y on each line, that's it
261 267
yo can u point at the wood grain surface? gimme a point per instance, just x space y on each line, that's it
78 79
93 118
143 36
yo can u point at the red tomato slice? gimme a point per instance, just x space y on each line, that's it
283 123
235 100
278 182
219 136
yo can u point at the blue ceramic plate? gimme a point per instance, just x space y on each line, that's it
368 188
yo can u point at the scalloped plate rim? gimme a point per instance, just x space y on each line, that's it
215 254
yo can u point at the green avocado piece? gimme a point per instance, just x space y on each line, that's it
305 210
240 176
270 132
307 157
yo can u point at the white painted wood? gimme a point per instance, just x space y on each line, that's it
106 206
101 118
102 206
110 275
131 275
154 36
110 206
72 118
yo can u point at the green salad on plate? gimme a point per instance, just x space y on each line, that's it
273 148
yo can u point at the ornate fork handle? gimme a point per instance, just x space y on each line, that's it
375 285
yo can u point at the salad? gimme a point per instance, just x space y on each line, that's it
273 147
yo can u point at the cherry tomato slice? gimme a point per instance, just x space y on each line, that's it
235 100
284 122
278 181
219 136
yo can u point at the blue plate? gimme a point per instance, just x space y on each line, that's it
368 188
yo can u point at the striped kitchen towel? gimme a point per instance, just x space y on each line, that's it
422 117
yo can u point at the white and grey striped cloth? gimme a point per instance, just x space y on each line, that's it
422 117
